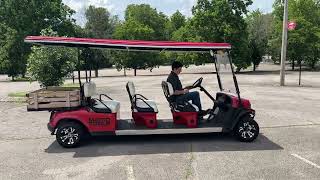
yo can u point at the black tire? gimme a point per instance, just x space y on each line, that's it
70 134
247 130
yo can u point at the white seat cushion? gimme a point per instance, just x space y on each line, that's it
114 106
89 89
142 104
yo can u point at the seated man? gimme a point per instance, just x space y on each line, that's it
183 94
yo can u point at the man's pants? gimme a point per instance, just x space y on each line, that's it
193 96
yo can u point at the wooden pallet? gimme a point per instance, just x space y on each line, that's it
53 98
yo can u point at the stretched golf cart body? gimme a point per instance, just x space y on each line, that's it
100 116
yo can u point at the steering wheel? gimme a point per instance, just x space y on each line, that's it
197 83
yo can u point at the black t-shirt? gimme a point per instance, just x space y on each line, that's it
174 80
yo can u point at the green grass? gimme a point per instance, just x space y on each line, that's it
17 94
71 85
22 79
23 94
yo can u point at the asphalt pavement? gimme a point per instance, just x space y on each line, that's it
287 148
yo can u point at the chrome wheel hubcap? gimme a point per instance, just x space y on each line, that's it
247 130
69 135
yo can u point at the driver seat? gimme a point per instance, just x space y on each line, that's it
186 106
184 113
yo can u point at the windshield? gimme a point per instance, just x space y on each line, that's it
225 72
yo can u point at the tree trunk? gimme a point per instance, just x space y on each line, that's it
135 72
96 73
12 78
254 67
292 65
124 72
238 70
313 64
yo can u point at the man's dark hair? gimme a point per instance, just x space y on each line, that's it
176 65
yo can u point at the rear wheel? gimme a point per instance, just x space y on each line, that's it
69 134
247 130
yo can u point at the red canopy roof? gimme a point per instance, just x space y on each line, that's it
132 45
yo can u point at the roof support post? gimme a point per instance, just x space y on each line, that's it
234 78
79 77
79 64
217 71
86 69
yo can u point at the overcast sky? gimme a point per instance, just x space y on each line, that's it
117 7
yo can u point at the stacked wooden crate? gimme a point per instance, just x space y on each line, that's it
52 98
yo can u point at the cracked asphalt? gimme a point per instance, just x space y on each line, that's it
287 148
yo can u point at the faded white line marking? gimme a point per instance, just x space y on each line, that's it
85 170
306 160
130 173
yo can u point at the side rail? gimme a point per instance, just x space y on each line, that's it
53 98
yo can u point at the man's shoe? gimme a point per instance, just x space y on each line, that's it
204 112
201 120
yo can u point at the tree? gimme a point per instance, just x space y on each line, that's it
50 65
187 33
258 29
148 16
178 20
100 24
7 44
141 23
94 59
28 17
133 30
222 21
303 42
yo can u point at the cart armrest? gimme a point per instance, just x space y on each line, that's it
105 96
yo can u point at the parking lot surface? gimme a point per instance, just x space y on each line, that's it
287 148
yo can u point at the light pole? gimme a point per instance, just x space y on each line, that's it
284 43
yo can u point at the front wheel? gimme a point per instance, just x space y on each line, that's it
247 130
69 135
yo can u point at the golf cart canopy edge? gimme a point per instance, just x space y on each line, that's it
131 45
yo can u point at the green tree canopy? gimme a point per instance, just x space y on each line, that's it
148 16
222 21
29 18
187 33
50 65
141 23
304 41
259 32
178 20
100 24
7 44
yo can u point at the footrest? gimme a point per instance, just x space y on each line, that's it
190 119
146 119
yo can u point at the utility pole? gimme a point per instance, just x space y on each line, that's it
284 43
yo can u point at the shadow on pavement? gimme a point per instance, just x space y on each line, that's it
162 144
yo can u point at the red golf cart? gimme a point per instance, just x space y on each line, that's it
92 114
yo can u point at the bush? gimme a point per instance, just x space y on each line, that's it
50 65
